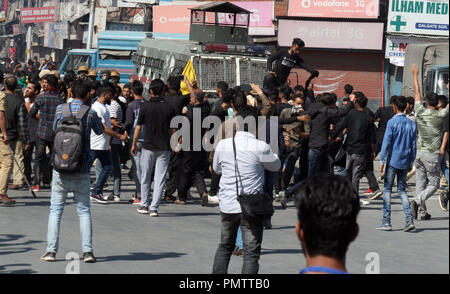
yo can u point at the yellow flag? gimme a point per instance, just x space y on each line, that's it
189 72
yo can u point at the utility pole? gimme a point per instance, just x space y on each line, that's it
91 24
29 41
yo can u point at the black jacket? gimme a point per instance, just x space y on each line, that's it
178 101
322 117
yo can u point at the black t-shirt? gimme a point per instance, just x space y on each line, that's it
384 114
284 62
156 115
280 107
177 101
360 133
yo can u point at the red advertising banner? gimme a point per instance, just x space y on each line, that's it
334 8
38 14
3 10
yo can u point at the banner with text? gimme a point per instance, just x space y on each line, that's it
3 9
334 8
331 35
423 17
38 14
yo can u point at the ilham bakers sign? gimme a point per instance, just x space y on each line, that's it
38 14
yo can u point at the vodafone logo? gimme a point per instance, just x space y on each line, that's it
255 15
163 19
306 3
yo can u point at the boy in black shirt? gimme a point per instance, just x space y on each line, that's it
285 60
360 136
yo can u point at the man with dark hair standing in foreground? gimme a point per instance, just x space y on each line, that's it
327 208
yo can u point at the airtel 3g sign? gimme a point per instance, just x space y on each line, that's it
334 8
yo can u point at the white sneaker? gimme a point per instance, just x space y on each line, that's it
364 202
116 198
377 194
213 199
107 198
277 198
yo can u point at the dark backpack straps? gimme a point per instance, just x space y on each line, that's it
82 112
66 110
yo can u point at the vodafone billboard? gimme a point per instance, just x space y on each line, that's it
334 8
332 35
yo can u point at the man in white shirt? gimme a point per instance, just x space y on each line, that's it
253 156
100 144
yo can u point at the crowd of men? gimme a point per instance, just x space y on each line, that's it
323 134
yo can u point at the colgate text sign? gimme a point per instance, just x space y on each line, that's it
332 35
334 8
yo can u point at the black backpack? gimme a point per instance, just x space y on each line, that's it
68 145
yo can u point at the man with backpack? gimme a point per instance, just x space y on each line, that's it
72 125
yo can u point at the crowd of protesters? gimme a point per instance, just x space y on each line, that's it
313 135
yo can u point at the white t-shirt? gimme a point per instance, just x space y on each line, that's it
115 111
101 142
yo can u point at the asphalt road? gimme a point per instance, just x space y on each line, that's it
183 239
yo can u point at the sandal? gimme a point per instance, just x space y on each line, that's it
170 198
180 202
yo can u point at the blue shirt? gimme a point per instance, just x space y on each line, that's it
399 143
90 122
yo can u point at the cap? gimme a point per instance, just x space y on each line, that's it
56 73
43 73
83 68
92 73
114 73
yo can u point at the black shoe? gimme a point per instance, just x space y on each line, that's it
426 216
205 200
89 257
414 209
49 256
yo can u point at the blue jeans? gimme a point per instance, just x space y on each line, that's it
115 153
105 158
61 185
136 166
444 167
389 177
319 162
239 242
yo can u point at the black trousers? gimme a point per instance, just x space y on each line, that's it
215 181
172 181
191 174
271 82
27 159
43 162
292 157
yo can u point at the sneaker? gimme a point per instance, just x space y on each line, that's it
107 198
283 200
89 257
277 198
443 201
364 202
116 198
6 200
142 209
376 195
267 224
409 227
213 199
153 213
426 216
414 208
368 192
99 199
205 200
49 256
385 227
36 188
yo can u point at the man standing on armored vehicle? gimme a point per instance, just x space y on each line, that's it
286 59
